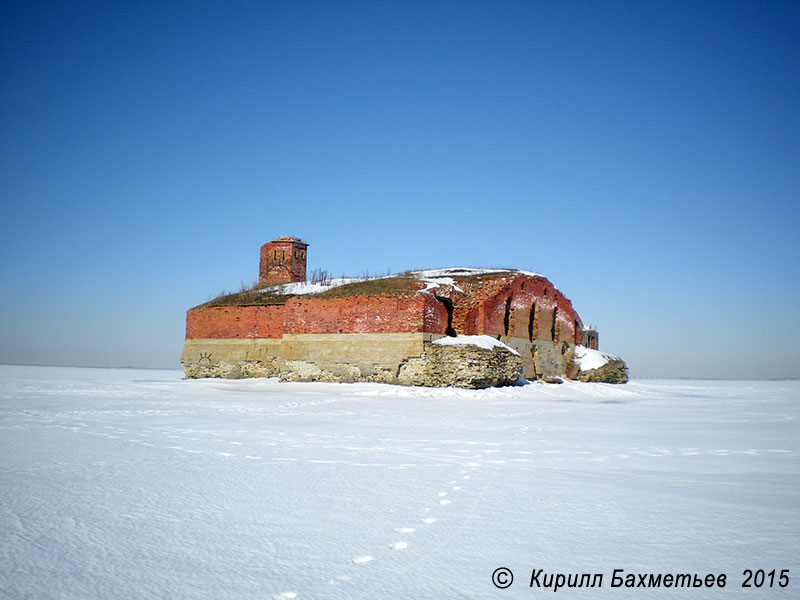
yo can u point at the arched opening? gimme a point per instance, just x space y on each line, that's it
532 321
553 330
448 304
507 317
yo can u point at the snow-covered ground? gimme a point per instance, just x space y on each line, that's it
589 359
486 342
139 484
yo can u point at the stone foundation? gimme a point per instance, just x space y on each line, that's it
614 371
461 366
405 359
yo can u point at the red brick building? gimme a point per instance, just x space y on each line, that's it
372 326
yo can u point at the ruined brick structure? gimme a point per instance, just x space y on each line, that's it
283 261
368 330
590 339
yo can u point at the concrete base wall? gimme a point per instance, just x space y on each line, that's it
230 358
552 359
211 352
348 357
524 347
370 352
333 357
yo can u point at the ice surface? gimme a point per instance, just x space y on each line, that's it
481 341
139 484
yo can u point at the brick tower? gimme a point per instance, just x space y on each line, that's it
283 261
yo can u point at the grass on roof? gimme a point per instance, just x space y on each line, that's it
252 297
401 285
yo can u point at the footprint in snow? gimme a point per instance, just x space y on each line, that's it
399 546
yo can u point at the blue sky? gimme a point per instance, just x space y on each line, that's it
643 156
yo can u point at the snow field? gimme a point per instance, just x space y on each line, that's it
139 484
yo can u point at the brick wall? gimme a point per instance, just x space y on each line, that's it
363 314
225 322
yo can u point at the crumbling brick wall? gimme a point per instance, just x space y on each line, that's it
503 304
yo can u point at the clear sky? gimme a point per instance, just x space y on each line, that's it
644 156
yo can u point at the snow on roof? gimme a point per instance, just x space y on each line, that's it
290 238
589 359
434 282
432 278
466 272
481 341
308 287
